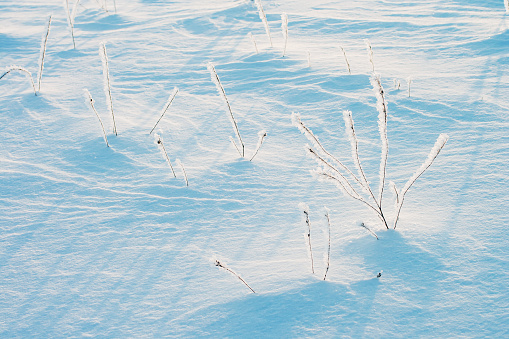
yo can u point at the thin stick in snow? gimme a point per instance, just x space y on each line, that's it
166 106
346 60
42 54
309 59
261 13
261 135
160 143
21 69
222 94
219 264
305 210
370 53
328 250
284 28
439 144
253 41
369 230
183 171
409 82
88 96
107 86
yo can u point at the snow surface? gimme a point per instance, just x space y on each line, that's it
98 241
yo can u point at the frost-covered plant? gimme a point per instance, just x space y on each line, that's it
166 106
328 248
305 209
253 41
261 13
346 60
284 29
159 142
71 15
91 101
357 186
42 54
219 264
370 53
183 170
23 70
107 86
261 136
240 148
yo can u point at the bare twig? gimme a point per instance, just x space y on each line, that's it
21 69
328 250
346 60
369 230
160 143
219 264
166 106
88 96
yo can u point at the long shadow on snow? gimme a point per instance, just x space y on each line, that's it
295 312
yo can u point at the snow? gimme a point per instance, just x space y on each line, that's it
98 241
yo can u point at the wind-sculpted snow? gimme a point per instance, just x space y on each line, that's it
105 241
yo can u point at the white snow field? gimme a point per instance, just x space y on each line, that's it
105 241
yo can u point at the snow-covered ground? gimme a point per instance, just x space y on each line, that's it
98 241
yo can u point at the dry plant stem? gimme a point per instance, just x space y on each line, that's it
439 144
369 230
343 181
382 127
160 142
370 53
107 87
166 106
306 213
21 69
358 198
311 137
183 171
346 60
253 41
506 4
309 59
409 82
69 21
261 136
218 264
43 54
222 93
328 250
91 102
350 130
284 28
261 13
115 5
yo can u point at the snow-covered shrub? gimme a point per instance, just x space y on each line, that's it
357 185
